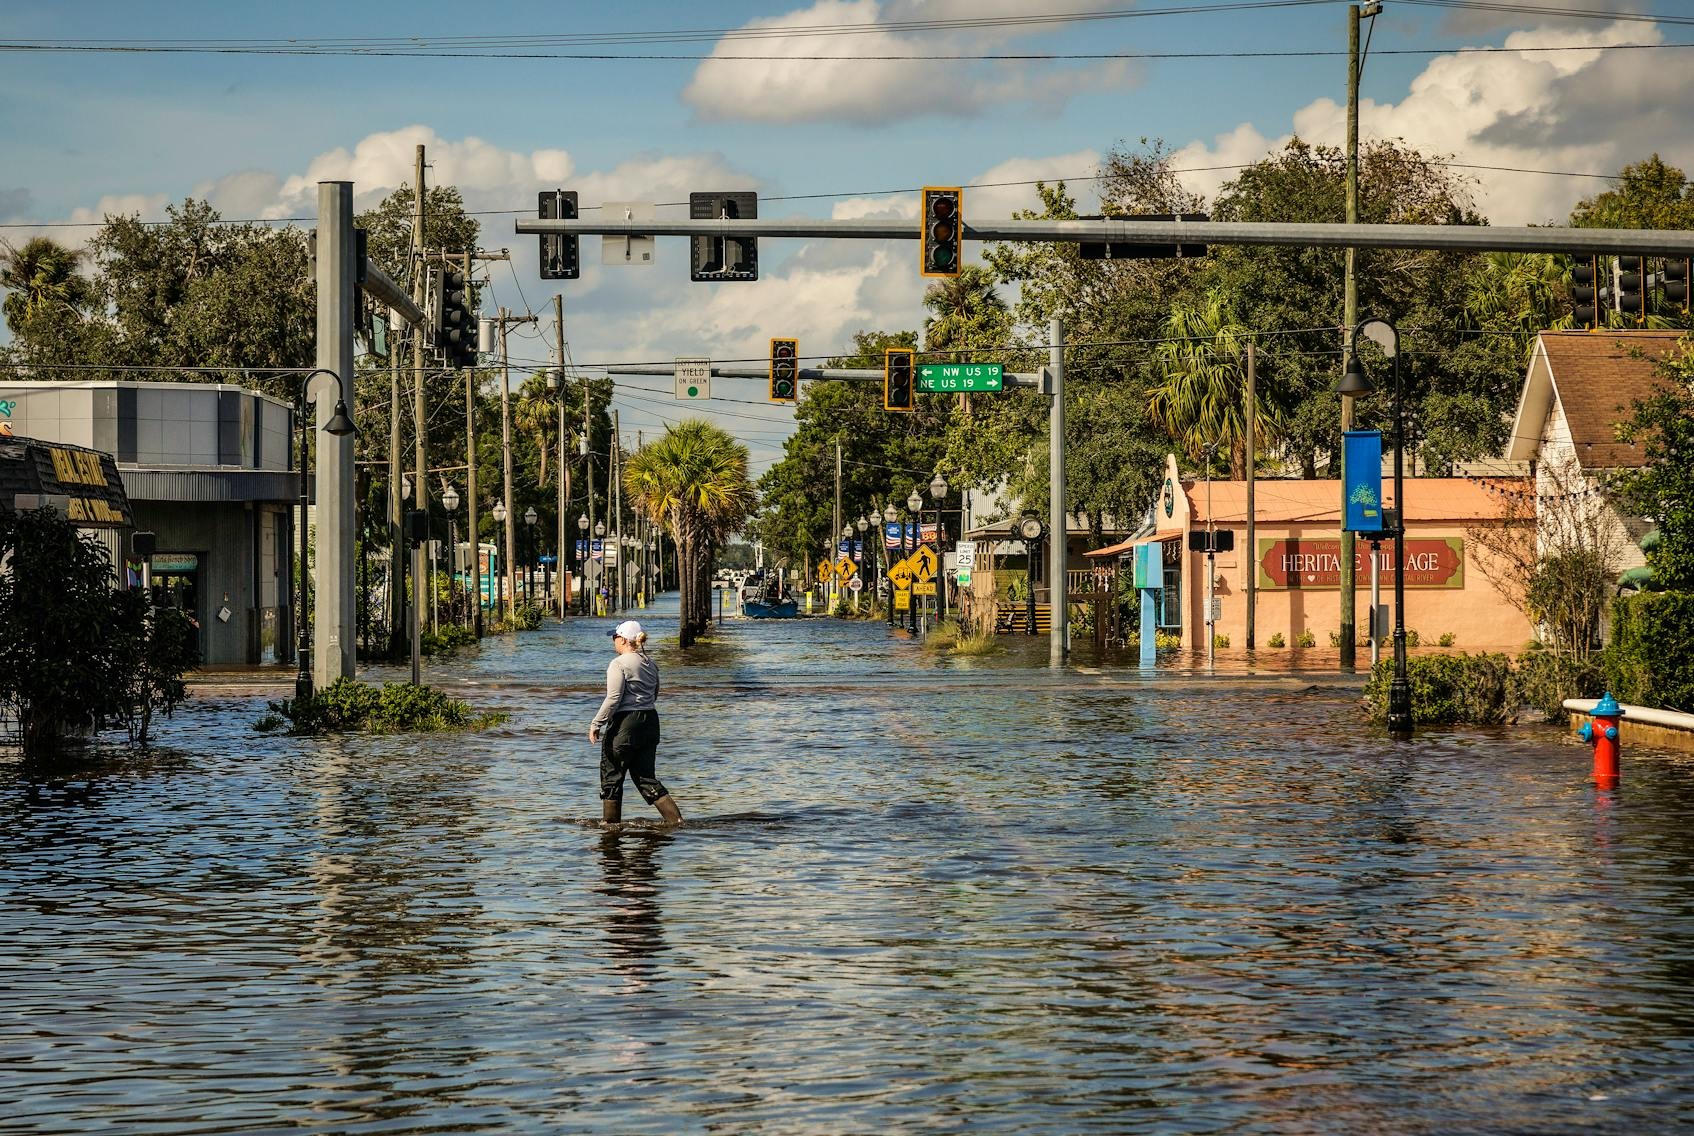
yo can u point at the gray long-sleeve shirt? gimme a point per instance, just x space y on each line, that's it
632 683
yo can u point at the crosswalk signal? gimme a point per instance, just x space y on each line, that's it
942 223
1632 287
1676 283
785 370
1584 292
559 252
897 378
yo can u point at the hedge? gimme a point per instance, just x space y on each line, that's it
1447 690
1650 660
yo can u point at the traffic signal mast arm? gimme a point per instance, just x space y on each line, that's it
1034 381
1122 230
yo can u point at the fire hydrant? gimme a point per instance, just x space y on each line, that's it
1601 731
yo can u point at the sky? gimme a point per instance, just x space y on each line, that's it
250 106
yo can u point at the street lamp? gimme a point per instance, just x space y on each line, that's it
1355 382
578 561
938 490
914 506
339 426
500 515
529 518
450 502
867 563
889 515
600 581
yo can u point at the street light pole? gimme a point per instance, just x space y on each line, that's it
340 425
889 514
914 506
1354 382
579 562
450 502
938 490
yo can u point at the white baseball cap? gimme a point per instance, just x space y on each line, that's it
628 629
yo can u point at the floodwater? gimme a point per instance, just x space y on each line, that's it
912 896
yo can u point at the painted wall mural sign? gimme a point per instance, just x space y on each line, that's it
1431 562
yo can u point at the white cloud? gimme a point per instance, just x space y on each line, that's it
851 84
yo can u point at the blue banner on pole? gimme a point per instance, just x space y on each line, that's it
1361 481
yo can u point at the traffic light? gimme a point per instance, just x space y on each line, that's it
456 330
1585 293
1676 283
897 379
785 370
559 259
941 231
1632 287
723 258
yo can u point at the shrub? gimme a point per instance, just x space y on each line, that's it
1543 679
1650 660
1447 639
1447 690
1334 639
348 705
76 654
446 639
943 637
1306 639
1220 641
1412 638
1165 641
1277 641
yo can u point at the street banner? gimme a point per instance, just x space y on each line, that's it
1361 481
894 531
1431 562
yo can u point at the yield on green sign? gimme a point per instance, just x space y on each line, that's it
945 378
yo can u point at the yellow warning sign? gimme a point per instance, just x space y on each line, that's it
845 568
926 562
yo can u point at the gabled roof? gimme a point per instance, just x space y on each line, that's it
1595 378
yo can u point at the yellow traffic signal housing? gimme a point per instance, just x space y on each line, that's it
897 379
785 370
943 225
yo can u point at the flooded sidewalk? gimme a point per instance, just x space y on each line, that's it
913 894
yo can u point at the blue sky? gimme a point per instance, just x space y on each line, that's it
86 134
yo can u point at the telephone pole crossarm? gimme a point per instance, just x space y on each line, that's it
1123 230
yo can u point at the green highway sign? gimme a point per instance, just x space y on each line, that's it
945 378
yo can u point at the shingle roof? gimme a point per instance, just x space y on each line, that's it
1597 378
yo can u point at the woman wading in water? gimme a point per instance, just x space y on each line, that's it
627 727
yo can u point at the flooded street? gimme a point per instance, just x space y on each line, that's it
912 895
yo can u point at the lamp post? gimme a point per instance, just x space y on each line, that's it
914 506
500 516
889 515
600 577
529 518
938 490
579 562
867 565
1354 382
450 502
340 425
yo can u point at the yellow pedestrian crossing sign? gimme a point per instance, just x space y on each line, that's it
826 571
845 568
925 562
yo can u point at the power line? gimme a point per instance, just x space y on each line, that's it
965 57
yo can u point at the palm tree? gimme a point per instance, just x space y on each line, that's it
693 480
968 313
1201 391
38 275
536 413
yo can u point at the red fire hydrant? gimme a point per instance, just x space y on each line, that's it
1601 731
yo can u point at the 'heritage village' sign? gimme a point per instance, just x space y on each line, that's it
1431 562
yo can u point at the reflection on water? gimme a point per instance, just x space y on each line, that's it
913 894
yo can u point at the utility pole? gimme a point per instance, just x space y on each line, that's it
1349 319
564 467
836 582
1058 536
588 473
616 491
420 440
333 639
471 500
1252 553
396 535
506 320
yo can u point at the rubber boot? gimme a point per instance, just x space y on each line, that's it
668 810
611 812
